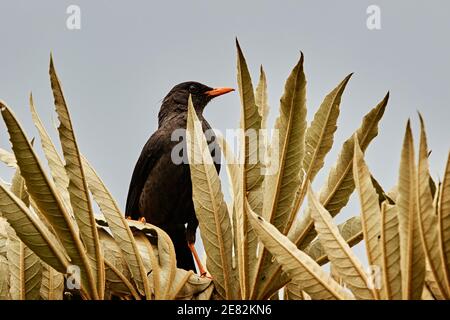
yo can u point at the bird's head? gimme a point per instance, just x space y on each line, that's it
177 98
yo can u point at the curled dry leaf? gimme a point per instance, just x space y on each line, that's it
188 286
119 228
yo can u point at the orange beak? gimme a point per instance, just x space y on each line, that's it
218 91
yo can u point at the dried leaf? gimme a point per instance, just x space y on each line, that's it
210 207
319 140
342 258
444 223
52 286
370 210
55 163
261 99
8 158
351 232
250 176
32 231
119 228
4 279
390 253
412 257
334 196
303 271
280 188
288 148
427 220
25 270
187 285
340 185
78 189
49 202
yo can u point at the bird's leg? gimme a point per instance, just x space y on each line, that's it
201 269
190 237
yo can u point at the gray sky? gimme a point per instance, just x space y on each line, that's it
128 54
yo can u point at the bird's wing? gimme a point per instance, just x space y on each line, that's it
149 156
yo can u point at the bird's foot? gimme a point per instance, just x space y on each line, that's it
205 275
142 219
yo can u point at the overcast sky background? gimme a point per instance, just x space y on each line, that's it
128 54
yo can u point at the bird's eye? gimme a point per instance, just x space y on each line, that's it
193 88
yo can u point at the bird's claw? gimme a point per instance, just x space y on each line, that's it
142 219
205 275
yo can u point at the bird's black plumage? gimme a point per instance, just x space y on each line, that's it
160 188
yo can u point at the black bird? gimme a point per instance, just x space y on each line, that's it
160 190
